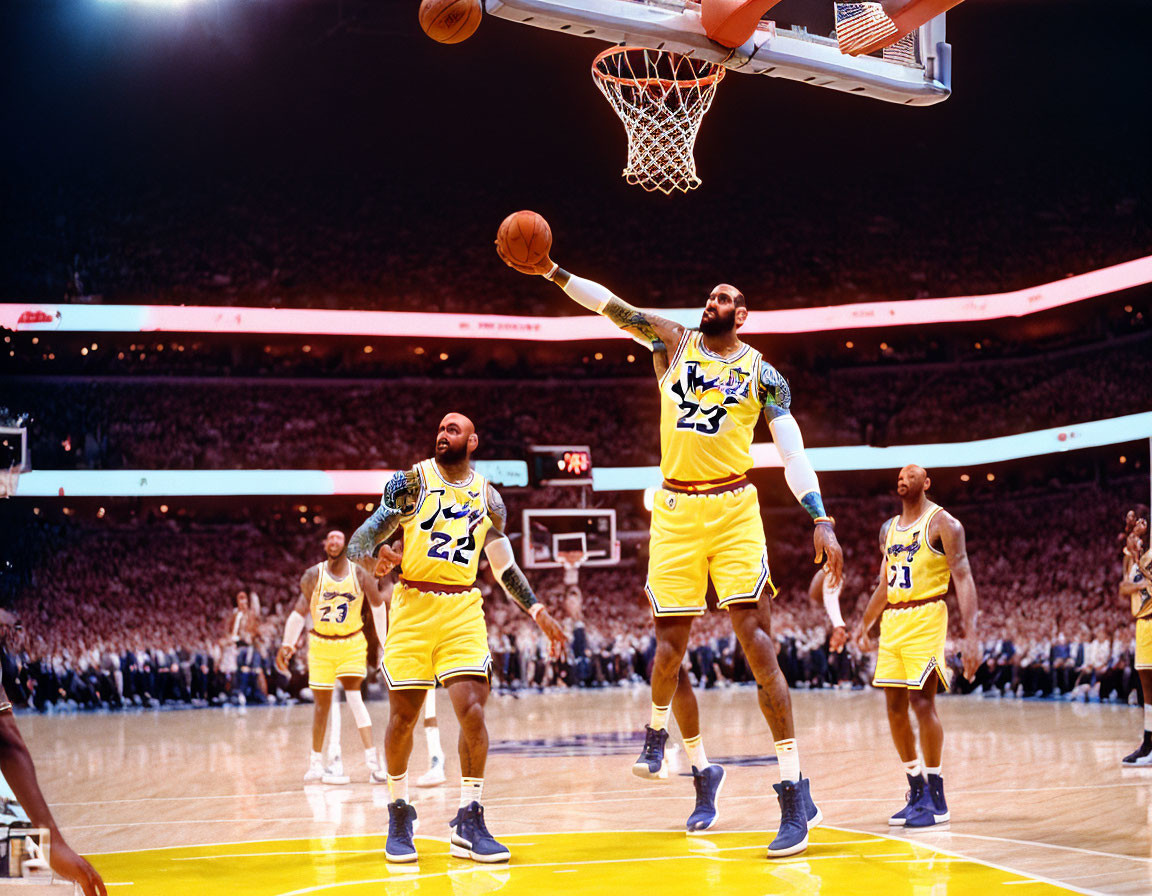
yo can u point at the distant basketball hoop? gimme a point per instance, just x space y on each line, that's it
661 97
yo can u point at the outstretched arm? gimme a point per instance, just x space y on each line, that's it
645 327
398 500
776 399
498 550
956 550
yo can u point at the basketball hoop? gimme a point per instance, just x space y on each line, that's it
571 561
661 97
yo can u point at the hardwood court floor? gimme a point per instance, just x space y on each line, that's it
1035 790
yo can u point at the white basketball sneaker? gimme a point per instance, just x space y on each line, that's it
334 773
435 774
315 772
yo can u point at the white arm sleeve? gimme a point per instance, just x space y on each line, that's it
588 293
380 620
798 472
832 601
293 628
499 554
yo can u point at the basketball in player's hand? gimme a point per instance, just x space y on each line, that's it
450 21
524 241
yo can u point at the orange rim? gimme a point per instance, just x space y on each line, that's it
704 81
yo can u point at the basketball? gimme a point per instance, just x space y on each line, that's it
450 21
524 238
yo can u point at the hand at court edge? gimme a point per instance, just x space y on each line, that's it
554 633
970 655
69 865
283 655
839 639
827 547
387 560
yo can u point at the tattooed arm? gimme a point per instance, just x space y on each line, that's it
399 499
498 550
643 326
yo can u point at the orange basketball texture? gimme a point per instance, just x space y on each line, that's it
525 237
450 21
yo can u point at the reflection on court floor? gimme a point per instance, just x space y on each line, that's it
603 862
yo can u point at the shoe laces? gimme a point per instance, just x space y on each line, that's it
478 822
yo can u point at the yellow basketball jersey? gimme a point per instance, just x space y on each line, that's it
915 569
444 536
708 411
336 603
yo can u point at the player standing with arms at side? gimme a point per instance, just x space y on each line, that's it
922 549
1136 587
706 518
333 592
448 513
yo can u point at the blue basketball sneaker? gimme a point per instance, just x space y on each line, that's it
470 837
400 847
652 765
912 797
932 809
793 834
811 811
707 783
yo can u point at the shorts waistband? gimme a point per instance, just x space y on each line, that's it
436 587
922 602
337 637
709 487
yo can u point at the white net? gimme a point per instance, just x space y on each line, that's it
661 98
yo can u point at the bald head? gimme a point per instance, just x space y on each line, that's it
724 312
456 439
912 482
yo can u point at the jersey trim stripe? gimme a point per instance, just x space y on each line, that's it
675 359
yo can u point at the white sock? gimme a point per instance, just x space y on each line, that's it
789 756
694 747
316 758
660 716
398 787
471 789
928 770
370 757
914 769
1148 717
432 734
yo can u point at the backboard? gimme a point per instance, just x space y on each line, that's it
794 42
549 531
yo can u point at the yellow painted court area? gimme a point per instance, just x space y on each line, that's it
602 862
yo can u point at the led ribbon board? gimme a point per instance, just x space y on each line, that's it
308 483
408 324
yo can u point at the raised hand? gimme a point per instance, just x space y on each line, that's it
401 491
541 268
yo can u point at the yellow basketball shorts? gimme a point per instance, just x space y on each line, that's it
912 646
1144 644
695 537
332 658
434 636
